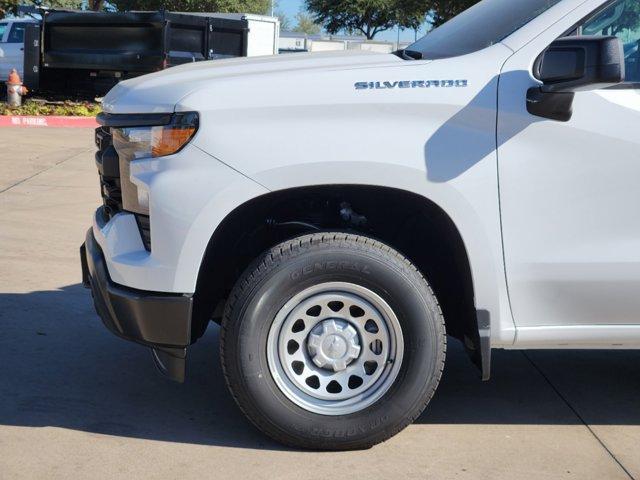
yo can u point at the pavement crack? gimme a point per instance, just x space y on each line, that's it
577 414
26 179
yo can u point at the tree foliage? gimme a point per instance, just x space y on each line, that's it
285 22
368 17
223 6
371 17
305 24
442 10
10 7
7 7
616 20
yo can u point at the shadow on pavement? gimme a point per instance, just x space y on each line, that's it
62 368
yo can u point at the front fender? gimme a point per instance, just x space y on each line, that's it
472 207
316 128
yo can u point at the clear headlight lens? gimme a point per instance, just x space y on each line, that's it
135 143
155 141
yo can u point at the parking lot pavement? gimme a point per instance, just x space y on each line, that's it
77 402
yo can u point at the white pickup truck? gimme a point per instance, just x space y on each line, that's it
12 46
340 214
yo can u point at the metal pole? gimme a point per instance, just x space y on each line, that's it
272 7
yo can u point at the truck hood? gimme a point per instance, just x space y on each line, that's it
160 92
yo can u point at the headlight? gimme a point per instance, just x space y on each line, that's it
133 143
153 141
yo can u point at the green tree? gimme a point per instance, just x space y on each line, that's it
444 10
624 17
7 7
305 24
285 23
223 6
368 17
95 5
10 7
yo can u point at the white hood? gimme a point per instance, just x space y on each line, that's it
160 92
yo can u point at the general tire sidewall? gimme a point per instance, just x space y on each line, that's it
401 287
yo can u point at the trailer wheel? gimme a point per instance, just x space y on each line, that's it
332 341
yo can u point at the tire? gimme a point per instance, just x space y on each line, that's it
358 271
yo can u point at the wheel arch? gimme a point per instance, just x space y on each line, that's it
436 247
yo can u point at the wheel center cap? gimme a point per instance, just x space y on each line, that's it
334 347
333 344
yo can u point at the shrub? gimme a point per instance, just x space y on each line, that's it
37 108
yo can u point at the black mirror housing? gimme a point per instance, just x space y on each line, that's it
570 65
574 64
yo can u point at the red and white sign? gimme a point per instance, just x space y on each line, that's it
47 121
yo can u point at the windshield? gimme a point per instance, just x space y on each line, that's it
16 35
3 27
481 26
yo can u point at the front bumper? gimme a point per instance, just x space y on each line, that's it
161 321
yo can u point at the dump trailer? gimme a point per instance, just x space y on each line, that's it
87 53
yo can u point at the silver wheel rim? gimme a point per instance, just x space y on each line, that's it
335 348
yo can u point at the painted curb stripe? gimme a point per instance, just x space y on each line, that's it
47 121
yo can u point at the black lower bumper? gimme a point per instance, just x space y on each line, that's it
161 321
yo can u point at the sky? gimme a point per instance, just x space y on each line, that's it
291 7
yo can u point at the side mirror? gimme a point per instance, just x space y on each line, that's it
570 65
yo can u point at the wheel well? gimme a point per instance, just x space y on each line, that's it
434 244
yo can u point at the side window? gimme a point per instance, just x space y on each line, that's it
621 19
16 35
3 28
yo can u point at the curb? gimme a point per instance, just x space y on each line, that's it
47 121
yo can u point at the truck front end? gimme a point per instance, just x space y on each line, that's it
142 254
159 320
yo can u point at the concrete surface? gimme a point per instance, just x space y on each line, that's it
77 402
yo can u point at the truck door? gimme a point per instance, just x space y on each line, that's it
4 66
570 195
13 49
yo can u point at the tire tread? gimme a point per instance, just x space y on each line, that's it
291 249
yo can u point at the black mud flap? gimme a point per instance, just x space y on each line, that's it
479 347
484 332
171 362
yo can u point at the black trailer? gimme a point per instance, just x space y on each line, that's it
87 53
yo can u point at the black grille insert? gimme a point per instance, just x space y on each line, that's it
109 170
108 165
144 225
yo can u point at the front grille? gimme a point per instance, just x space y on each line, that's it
109 169
144 225
108 165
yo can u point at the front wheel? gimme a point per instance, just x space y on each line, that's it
332 341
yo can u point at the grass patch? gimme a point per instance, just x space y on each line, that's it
43 108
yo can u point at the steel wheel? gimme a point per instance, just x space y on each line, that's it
335 348
332 341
